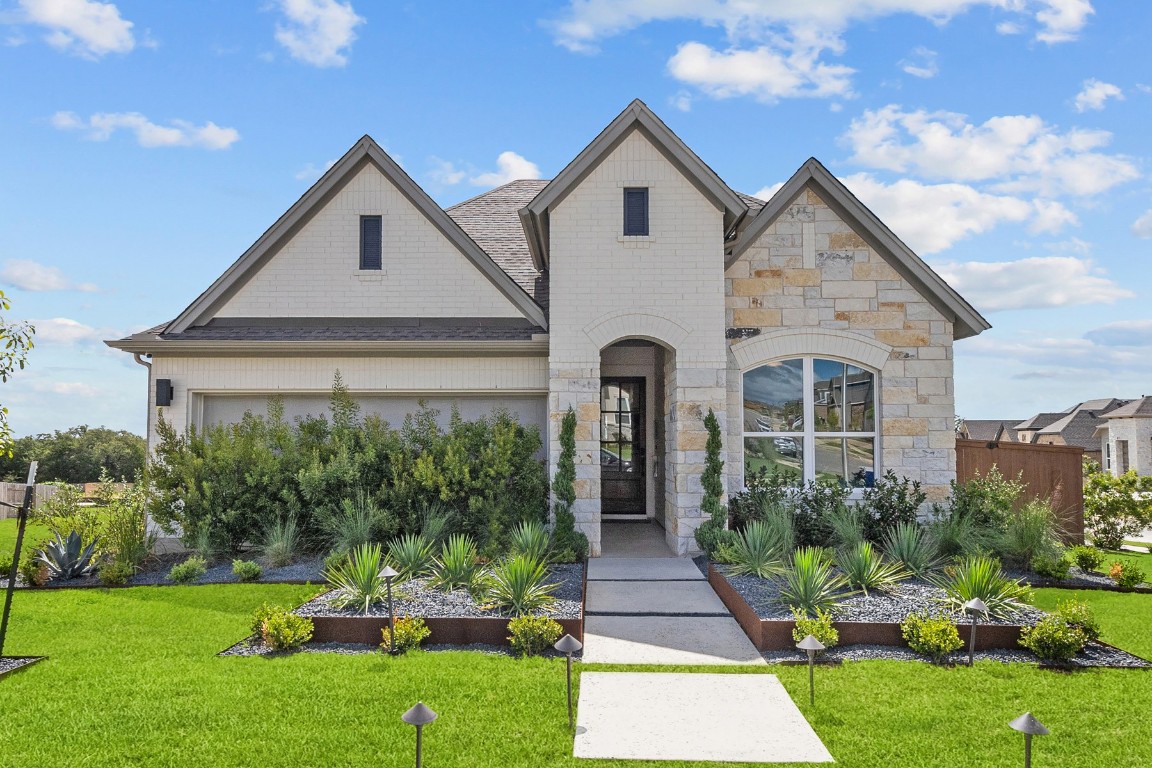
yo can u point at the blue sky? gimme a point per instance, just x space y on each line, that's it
146 145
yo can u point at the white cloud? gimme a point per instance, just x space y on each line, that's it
1010 28
1061 20
83 27
1142 227
1063 355
179 133
63 330
318 32
1037 282
932 217
1124 333
921 63
509 167
32 276
766 193
682 101
310 172
1016 153
444 172
1095 93
71 388
767 73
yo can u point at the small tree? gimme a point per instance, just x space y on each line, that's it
15 341
565 537
711 533
1115 507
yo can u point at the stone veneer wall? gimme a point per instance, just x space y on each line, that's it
812 285
1138 432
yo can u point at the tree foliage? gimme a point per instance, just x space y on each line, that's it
77 455
1115 508
712 532
15 342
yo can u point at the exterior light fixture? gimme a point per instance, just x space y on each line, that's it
974 608
419 716
1029 726
811 645
569 645
389 573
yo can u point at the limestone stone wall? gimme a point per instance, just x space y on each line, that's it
811 285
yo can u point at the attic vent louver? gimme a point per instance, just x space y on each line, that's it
636 211
371 242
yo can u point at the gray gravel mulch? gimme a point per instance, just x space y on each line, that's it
1093 655
13 663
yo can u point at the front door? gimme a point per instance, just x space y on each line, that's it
622 454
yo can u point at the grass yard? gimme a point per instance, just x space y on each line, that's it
33 534
1124 617
133 680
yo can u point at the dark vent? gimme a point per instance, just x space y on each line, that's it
163 391
636 211
371 242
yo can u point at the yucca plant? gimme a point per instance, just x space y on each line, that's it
847 524
517 585
353 525
281 542
865 568
531 539
759 550
912 546
436 521
67 558
981 577
457 565
357 579
810 584
958 535
410 555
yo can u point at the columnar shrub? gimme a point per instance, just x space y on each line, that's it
568 544
712 532
532 635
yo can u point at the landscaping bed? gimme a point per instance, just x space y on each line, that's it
9 664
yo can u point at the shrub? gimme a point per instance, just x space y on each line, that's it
810 585
532 635
1028 534
31 570
1053 639
247 570
63 512
68 558
847 525
5 565
987 501
912 546
710 534
763 492
127 539
410 633
1115 508
958 535
281 542
358 581
457 565
1077 613
820 627
932 637
759 550
282 630
188 571
517 586
1052 566
115 573
263 612
891 501
981 577
569 544
529 538
813 505
1087 559
410 555
356 523
865 568
1126 574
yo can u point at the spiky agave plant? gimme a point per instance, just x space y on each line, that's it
865 568
811 585
981 577
531 539
410 555
517 585
68 558
357 579
457 565
759 550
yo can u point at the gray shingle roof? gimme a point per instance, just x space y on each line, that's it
986 429
1141 407
362 329
1040 420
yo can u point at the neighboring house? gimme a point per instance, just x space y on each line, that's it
1126 438
1074 426
990 430
636 288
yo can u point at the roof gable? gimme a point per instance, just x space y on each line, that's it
965 319
364 152
636 117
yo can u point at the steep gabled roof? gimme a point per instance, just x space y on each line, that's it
966 321
637 117
1040 420
363 152
988 429
1140 407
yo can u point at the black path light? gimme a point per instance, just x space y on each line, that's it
974 608
419 716
811 645
21 522
389 573
1029 726
569 645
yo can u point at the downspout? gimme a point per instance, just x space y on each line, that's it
147 395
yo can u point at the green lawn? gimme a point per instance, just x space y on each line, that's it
1124 617
33 534
133 679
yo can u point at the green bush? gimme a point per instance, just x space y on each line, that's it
981 577
1053 639
819 627
115 573
1077 613
763 492
810 585
711 534
1115 508
246 570
282 630
5 565
987 501
263 612
410 633
1052 566
813 506
517 586
188 571
410 555
31 570
866 569
568 544
532 635
933 637
1087 559
889 502
357 581
1126 574
458 564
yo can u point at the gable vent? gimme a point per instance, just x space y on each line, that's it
636 211
371 242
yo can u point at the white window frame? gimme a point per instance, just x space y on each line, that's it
809 435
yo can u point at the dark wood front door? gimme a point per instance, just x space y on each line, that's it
622 454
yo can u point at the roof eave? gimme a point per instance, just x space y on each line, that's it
536 346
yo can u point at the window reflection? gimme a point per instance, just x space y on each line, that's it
774 397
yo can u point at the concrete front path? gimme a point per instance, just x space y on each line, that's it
695 716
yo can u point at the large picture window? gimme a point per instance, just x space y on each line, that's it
812 416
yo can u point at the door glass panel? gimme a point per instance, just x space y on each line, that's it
610 398
774 397
773 453
849 461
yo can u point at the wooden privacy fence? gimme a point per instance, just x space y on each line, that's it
1053 472
13 493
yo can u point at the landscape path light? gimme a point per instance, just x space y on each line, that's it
1029 726
569 645
811 645
419 716
389 573
974 608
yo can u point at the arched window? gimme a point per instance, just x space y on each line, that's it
813 416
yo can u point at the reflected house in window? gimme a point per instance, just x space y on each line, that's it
635 288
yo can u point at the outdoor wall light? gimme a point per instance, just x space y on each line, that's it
974 608
419 716
1029 726
389 573
569 645
811 645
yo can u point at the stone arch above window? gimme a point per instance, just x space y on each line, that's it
800 342
648 323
